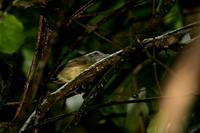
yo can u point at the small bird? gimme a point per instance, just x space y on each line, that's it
77 65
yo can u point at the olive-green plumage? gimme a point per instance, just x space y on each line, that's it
76 66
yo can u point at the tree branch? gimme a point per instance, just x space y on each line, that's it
94 74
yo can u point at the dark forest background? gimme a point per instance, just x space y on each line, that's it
38 37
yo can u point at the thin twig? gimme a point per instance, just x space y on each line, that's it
95 14
135 71
43 62
91 29
119 10
52 119
169 38
160 63
78 13
5 124
138 68
119 102
65 24
156 77
17 103
25 97
89 100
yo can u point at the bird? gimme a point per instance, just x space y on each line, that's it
77 65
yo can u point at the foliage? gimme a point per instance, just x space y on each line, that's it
11 36
45 35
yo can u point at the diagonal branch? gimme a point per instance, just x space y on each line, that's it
95 73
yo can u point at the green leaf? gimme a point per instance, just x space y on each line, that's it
152 127
11 34
156 125
174 18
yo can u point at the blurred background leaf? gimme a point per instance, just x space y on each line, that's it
11 35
